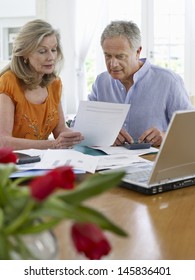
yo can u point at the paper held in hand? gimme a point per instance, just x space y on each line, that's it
100 122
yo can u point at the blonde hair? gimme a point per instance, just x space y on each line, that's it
27 41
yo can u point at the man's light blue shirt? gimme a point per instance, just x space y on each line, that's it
155 95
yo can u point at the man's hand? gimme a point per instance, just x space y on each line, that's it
122 138
153 136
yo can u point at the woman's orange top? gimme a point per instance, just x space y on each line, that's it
32 121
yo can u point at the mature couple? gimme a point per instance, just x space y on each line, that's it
30 89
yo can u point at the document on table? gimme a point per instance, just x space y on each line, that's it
54 158
114 150
100 122
117 161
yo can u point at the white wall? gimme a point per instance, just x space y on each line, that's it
17 8
63 19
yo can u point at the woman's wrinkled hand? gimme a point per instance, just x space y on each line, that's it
68 140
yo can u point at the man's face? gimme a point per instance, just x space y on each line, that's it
121 61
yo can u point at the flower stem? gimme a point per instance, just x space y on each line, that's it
20 219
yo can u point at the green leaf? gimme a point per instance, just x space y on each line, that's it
4 247
55 212
5 172
5 181
92 186
1 218
21 218
86 214
40 227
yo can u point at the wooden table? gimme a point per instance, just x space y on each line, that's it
160 226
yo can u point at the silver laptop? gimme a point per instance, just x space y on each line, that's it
174 166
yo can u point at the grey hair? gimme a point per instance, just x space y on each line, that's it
27 41
120 28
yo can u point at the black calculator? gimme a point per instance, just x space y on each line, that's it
136 145
24 158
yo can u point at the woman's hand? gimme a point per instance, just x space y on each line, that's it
68 139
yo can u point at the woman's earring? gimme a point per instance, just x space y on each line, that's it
25 60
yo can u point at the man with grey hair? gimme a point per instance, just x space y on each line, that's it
154 93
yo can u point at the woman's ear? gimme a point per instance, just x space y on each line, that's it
25 60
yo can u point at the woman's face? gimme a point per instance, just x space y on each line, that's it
44 58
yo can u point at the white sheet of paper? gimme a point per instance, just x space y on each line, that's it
55 158
118 160
114 150
100 122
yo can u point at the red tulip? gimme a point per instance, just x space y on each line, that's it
7 155
89 239
43 186
64 177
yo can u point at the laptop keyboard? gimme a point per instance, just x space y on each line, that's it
139 176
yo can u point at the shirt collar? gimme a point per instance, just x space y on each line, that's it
142 71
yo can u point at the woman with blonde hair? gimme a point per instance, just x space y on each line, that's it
30 92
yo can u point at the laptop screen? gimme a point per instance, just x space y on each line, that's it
176 157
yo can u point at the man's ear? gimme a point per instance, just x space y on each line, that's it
139 51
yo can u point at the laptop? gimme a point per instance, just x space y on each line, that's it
174 166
